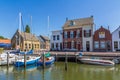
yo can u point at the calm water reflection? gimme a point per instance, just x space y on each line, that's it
57 72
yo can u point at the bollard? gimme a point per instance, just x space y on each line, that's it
8 59
65 61
76 58
25 60
43 60
56 57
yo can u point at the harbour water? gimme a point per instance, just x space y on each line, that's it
57 71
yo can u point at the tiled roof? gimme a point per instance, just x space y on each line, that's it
29 36
80 22
8 41
45 38
40 39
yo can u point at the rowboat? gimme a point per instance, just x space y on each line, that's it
30 60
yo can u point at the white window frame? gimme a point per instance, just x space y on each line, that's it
102 44
96 44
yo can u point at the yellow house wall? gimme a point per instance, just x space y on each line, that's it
36 45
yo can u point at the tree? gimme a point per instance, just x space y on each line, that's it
27 29
1 37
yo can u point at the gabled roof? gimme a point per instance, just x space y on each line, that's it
28 36
80 22
45 38
102 28
116 30
40 39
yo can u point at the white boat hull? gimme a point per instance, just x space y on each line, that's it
97 62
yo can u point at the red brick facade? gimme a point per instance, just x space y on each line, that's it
77 41
102 40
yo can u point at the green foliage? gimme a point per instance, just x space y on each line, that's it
27 29
1 37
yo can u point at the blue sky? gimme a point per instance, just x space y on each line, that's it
105 12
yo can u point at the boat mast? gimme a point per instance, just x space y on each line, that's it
31 30
20 16
48 26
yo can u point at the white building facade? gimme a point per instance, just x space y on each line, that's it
87 38
116 40
56 40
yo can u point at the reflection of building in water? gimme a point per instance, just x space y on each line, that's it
4 70
96 72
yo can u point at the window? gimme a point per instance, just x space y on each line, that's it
115 45
26 45
57 37
72 23
56 45
87 33
78 33
53 45
54 37
65 35
35 45
96 44
72 44
119 34
71 34
29 46
102 44
101 34
65 44
38 46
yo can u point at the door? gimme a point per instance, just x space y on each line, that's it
108 46
87 46
60 46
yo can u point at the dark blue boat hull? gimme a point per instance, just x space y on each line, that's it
39 63
19 63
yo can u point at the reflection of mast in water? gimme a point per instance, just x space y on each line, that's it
43 72
24 73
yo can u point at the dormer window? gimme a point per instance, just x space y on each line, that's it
72 23
101 34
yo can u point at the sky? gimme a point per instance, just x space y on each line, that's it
105 13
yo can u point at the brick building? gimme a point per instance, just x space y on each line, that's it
102 40
77 34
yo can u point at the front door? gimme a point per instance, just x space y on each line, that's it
108 46
87 46
60 46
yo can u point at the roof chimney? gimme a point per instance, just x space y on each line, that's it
108 27
66 19
91 16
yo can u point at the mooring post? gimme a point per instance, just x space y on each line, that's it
25 60
8 59
43 60
66 61
56 57
75 57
